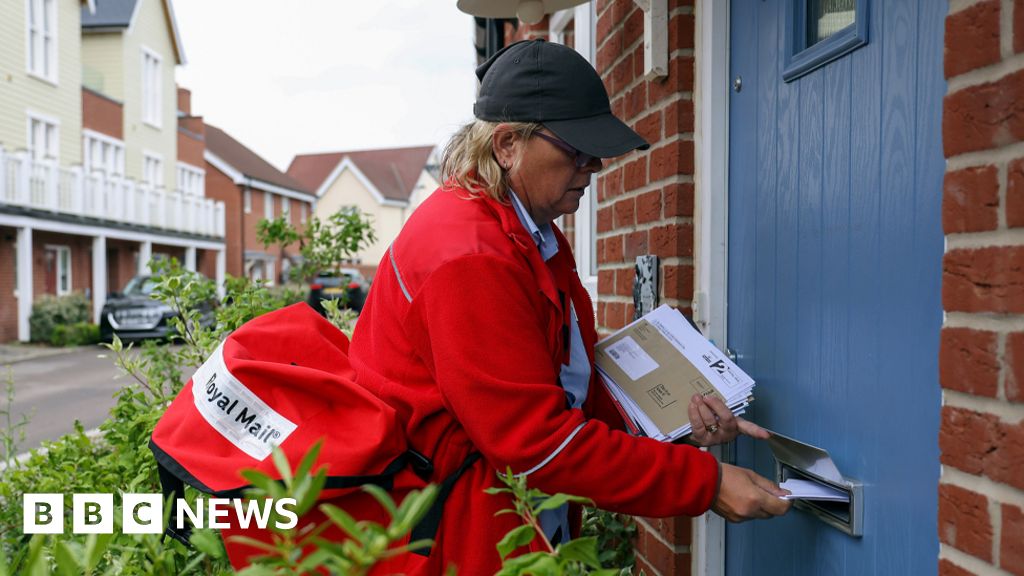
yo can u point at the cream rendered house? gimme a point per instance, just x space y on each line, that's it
130 49
386 184
89 154
40 78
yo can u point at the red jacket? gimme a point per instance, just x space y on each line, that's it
464 333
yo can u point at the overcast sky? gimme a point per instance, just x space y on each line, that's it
287 78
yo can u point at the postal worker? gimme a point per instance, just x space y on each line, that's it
478 330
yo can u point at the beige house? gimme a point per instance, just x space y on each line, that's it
129 53
97 177
386 184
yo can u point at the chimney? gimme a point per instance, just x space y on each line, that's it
184 101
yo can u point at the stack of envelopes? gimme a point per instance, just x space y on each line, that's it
653 367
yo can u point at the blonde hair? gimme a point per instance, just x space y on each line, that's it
468 160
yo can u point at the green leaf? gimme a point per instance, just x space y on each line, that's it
519 536
382 497
553 502
342 519
208 542
281 463
67 560
580 550
269 548
95 547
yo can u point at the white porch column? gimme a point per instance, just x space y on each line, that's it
145 255
99 276
24 266
190 258
221 267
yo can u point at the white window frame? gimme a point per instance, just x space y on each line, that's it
191 179
110 157
303 212
152 158
62 251
585 230
50 132
41 40
268 205
152 87
286 207
247 201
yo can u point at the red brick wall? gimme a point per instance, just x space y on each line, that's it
121 263
185 101
191 145
102 114
220 187
981 364
646 202
8 303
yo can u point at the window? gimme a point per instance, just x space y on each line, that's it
268 205
57 271
152 87
190 179
247 201
576 27
302 212
820 31
152 170
43 137
103 153
286 207
42 39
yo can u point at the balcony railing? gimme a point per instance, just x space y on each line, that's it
43 185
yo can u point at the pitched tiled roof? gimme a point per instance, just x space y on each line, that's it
249 163
109 14
393 171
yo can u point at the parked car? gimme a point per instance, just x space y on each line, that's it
133 313
347 284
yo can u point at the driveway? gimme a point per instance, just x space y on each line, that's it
55 390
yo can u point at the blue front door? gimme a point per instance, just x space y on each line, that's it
835 254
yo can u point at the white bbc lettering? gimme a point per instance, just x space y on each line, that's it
43 514
142 513
92 513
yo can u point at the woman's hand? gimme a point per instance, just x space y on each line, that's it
744 495
713 422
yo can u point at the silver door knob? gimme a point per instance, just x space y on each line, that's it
737 84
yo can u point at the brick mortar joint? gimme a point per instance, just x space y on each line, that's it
988 74
645 189
992 490
967 562
1006 412
646 227
987 157
989 322
956 6
1009 238
1006 29
995 515
675 548
1004 368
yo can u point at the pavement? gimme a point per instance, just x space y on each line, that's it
18 352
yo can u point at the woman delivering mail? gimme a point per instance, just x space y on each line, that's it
479 332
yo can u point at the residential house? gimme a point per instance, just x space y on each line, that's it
386 184
253 190
88 174
835 192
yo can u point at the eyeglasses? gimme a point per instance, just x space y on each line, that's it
581 159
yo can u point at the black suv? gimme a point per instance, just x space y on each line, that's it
133 314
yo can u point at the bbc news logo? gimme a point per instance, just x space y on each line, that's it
143 513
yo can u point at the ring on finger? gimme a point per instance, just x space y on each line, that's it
712 429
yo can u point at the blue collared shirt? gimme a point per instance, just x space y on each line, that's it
575 376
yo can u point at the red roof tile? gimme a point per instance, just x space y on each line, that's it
249 163
393 171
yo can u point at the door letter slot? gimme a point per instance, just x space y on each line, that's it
795 459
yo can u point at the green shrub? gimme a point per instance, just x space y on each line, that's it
50 312
77 334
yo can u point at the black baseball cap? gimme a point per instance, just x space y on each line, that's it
538 81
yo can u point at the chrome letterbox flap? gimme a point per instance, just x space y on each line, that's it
804 457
